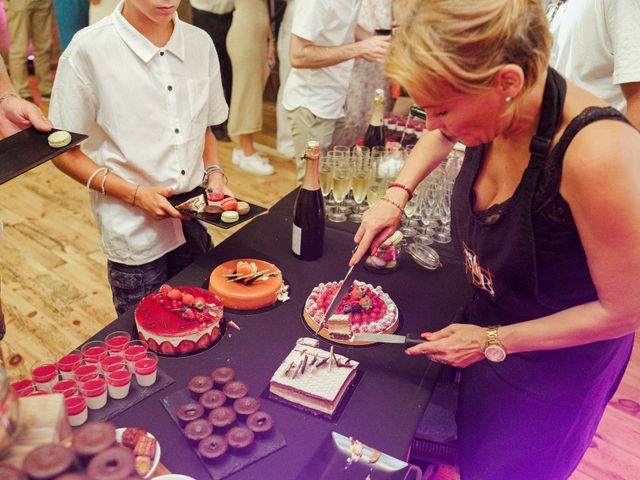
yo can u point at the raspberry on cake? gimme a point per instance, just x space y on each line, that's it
369 310
247 284
313 379
179 320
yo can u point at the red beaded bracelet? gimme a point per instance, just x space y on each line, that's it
403 187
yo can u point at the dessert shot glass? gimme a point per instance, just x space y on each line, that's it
146 369
68 388
118 383
112 363
44 374
94 352
23 387
86 372
95 392
117 342
136 350
77 411
68 363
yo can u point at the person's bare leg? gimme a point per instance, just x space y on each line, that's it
245 143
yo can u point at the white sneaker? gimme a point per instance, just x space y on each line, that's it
236 156
256 164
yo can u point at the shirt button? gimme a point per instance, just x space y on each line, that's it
170 88
183 172
161 54
177 130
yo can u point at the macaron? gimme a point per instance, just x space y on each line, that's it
213 209
59 139
243 208
228 204
230 217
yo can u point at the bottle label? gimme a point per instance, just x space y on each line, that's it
296 239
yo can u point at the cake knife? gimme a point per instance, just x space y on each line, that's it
333 306
408 339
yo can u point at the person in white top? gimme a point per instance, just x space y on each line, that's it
597 46
145 87
324 42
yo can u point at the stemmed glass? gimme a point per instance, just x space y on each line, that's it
341 186
410 208
348 202
360 178
327 163
378 182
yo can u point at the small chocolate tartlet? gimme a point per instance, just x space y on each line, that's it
245 406
199 384
235 389
260 423
7 472
198 430
48 461
223 375
222 417
189 412
240 439
116 462
93 438
212 448
212 399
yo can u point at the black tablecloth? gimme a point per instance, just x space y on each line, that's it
391 396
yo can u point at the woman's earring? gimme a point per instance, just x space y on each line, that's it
507 99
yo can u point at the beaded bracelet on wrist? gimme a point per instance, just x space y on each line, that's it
397 205
403 187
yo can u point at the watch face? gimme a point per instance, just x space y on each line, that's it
494 353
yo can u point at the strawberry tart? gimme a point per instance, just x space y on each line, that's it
179 320
369 310
248 284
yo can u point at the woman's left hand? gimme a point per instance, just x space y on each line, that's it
458 345
216 184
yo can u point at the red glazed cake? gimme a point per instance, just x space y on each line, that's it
247 284
179 320
369 309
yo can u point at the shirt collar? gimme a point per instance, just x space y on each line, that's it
140 45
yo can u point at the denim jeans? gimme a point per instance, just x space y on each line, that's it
130 283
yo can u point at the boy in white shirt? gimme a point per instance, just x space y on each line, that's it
145 87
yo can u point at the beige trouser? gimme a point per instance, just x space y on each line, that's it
29 19
304 126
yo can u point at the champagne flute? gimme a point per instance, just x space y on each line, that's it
360 178
378 182
348 202
341 186
410 209
327 163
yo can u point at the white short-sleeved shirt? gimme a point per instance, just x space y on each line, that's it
597 45
325 23
219 7
146 110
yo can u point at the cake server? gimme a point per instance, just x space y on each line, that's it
333 306
409 339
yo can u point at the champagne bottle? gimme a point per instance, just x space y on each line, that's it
374 137
308 211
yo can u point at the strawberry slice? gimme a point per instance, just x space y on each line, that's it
215 334
186 346
153 345
167 348
204 341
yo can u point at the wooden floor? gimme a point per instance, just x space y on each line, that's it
55 293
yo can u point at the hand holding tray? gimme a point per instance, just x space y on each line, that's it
28 149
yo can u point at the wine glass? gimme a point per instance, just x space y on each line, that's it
348 203
341 186
360 178
326 177
378 181
410 208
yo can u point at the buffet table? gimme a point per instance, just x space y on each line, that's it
393 391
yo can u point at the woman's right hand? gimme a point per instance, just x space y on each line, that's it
153 200
378 223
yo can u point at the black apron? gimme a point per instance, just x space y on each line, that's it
532 416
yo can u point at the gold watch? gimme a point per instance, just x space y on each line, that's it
494 350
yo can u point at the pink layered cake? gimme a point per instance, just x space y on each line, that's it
179 320
312 378
369 309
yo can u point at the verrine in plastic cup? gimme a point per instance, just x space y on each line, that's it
119 383
23 387
68 363
147 370
44 374
94 352
68 388
136 350
117 341
95 392
77 411
86 372
112 363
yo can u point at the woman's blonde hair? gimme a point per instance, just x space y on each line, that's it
463 43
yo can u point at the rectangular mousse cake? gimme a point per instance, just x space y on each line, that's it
313 378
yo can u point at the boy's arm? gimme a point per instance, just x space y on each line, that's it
151 199
216 177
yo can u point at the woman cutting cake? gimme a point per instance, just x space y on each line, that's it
545 211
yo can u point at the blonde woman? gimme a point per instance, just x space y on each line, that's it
545 212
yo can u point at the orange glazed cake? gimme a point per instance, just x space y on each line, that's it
247 284
179 320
